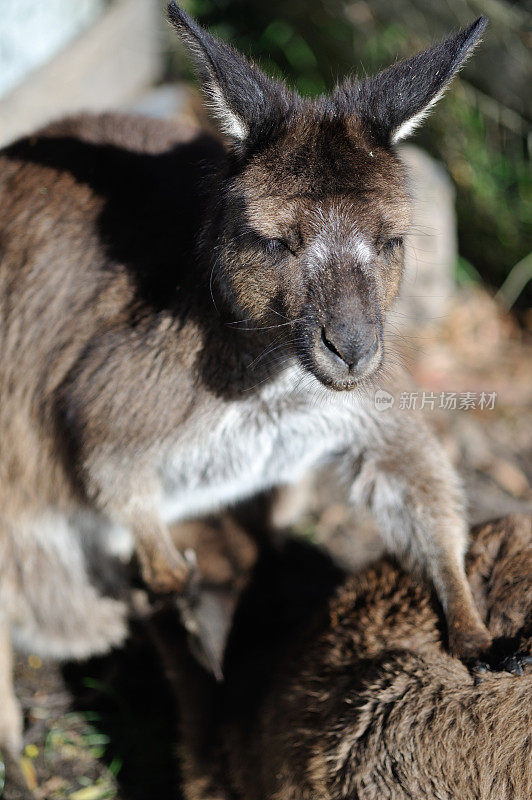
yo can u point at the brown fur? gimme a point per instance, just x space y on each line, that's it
143 274
365 702
317 159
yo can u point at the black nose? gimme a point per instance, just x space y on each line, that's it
353 344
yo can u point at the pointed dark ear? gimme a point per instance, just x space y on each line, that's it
394 102
241 96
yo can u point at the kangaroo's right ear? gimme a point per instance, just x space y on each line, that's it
242 97
394 102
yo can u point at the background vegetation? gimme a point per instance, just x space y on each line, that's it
482 130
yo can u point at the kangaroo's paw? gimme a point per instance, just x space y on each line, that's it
502 656
166 571
469 638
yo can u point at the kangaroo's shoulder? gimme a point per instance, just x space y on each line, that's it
124 131
111 154
111 189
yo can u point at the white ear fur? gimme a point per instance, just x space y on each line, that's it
409 126
231 123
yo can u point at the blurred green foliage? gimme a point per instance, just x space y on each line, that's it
313 43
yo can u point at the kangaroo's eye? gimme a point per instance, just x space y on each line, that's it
276 246
392 244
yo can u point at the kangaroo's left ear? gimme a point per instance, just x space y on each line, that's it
394 102
244 100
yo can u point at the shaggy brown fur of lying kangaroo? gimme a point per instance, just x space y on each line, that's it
340 688
181 319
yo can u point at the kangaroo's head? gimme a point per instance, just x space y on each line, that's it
308 230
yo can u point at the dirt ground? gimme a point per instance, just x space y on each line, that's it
97 730
107 728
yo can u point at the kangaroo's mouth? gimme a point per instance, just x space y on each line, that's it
330 367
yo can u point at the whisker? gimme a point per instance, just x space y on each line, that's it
265 327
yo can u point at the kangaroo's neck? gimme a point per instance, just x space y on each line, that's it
234 359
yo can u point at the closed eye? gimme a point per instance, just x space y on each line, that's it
391 244
274 246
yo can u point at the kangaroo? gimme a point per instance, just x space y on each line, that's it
188 320
342 687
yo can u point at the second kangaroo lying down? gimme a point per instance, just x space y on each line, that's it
143 309
364 701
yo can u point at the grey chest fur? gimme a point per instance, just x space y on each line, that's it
238 449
